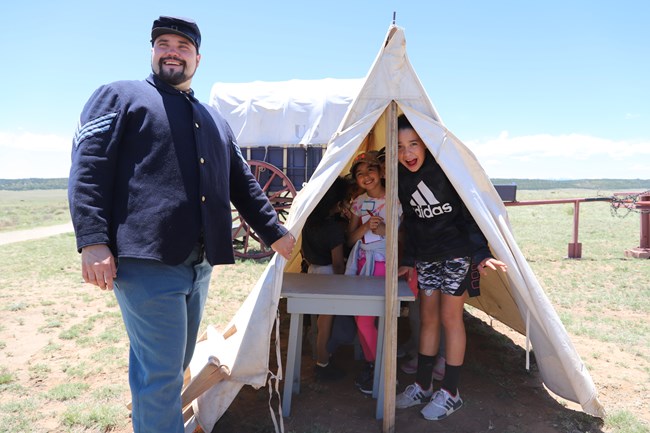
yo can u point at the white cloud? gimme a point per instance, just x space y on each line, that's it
544 156
25 155
569 156
34 142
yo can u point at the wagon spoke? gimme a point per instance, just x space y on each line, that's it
280 191
267 185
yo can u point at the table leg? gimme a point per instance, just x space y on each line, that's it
380 364
292 372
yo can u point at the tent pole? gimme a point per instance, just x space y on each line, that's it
392 307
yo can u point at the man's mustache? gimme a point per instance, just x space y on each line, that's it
175 59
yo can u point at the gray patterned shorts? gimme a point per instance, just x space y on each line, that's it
447 276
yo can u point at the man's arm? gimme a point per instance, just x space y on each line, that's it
92 172
90 185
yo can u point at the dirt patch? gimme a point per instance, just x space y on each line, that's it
499 396
37 233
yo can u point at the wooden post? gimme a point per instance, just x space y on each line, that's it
575 248
392 307
643 250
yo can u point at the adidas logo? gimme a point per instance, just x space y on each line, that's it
425 204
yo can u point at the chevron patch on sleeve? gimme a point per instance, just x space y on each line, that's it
93 127
238 151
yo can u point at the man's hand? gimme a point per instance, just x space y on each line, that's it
98 266
284 245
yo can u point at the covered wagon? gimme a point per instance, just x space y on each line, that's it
282 129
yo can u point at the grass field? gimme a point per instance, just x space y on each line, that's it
63 348
35 208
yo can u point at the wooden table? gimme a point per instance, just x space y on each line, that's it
343 295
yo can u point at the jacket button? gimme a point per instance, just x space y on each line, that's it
202 161
196 125
202 198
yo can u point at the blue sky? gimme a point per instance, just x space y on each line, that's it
551 90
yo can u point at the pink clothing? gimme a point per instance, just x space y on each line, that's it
380 267
372 253
366 324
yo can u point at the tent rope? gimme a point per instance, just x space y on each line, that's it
274 380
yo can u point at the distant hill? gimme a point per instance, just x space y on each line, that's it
33 183
525 184
608 184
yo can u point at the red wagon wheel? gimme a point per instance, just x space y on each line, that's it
280 191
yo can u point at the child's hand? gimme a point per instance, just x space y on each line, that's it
381 229
492 264
407 271
374 222
344 211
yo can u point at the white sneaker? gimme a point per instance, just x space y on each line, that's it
412 395
442 405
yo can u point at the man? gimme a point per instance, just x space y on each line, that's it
153 174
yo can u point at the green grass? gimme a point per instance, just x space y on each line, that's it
39 371
51 347
6 376
18 416
58 267
625 422
603 280
230 286
36 208
67 391
103 417
108 393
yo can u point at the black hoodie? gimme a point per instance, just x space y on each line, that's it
437 224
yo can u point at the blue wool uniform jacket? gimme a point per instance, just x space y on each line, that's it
436 223
154 171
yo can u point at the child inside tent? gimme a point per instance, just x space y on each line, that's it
366 236
323 248
441 241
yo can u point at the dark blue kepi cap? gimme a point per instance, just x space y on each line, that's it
178 26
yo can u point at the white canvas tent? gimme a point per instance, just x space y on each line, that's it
515 299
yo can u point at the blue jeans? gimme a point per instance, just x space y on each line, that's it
161 308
